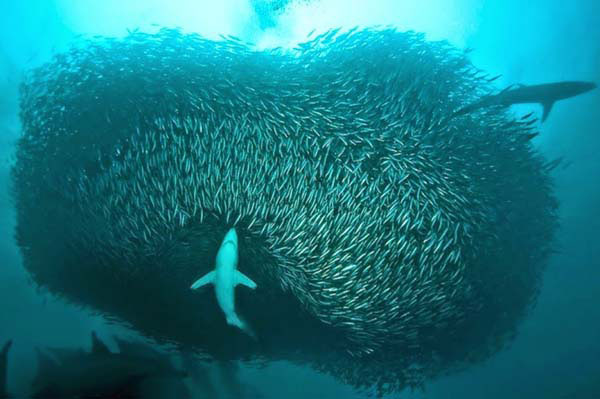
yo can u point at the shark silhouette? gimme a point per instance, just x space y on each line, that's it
225 277
544 94
136 371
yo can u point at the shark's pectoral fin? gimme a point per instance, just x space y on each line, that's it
240 278
206 279
547 108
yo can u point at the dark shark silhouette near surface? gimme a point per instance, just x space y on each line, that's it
136 371
545 94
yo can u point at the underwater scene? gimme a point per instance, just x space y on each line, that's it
300 199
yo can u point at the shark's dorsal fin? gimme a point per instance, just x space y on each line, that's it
97 345
206 279
3 368
6 348
241 278
547 108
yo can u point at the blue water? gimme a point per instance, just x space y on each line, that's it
557 349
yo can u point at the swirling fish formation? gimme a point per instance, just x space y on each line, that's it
391 241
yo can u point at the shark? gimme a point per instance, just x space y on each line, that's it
545 94
136 370
224 279
3 368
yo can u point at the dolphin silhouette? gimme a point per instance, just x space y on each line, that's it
545 94
225 277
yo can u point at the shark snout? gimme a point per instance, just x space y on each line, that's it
231 237
583 87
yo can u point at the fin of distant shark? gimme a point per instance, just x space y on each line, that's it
547 108
3 368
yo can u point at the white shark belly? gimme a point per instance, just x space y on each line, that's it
225 298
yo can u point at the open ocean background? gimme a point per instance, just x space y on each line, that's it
557 350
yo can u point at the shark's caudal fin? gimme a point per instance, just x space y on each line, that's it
3 368
208 278
234 320
547 108
241 278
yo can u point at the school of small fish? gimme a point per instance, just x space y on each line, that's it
418 237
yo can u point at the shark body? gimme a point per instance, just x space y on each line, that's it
544 94
224 279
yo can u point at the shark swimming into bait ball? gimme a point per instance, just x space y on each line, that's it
225 277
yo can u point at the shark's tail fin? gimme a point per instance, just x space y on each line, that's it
234 320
